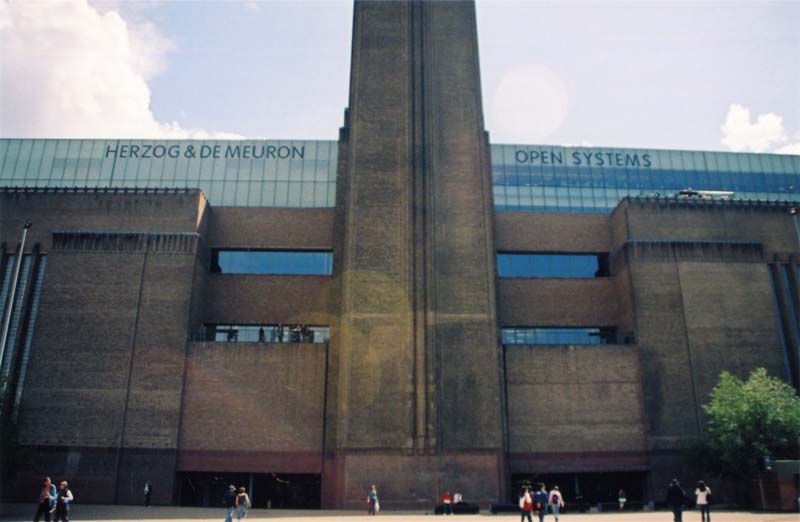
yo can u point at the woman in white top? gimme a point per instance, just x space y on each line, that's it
703 493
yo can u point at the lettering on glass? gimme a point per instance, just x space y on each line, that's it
231 150
583 158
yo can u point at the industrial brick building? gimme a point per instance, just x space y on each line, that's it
474 314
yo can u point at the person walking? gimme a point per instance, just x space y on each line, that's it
556 501
525 505
621 498
447 503
229 501
63 498
148 490
676 498
47 500
242 502
372 500
540 501
703 494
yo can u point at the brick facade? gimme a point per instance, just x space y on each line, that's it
414 391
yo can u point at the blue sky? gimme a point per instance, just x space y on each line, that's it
660 75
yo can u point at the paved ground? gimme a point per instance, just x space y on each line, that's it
24 513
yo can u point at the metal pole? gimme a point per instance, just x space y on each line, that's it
10 311
793 212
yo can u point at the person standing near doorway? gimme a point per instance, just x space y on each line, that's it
676 497
63 498
525 505
621 498
372 500
229 501
148 491
47 499
540 501
703 494
242 503
556 501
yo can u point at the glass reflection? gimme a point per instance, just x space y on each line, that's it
560 336
275 262
552 265
267 333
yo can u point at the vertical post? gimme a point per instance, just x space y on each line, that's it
794 212
11 297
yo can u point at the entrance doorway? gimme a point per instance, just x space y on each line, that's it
585 490
266 490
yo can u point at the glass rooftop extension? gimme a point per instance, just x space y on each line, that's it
583 179
270 173
230 173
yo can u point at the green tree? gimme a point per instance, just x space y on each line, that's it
752 419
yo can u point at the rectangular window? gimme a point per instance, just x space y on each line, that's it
552 265
567 336
276 262
268 333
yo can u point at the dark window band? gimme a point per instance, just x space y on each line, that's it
272 262
552 265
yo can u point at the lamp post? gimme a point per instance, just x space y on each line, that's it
10 310
794 212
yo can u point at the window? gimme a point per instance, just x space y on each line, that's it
277 262
552 265
593 335
268 333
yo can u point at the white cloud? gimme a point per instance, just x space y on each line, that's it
530 103
766 134
794 148
68 70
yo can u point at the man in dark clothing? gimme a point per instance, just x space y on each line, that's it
540 501
676 498
229 501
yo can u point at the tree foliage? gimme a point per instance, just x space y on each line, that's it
752 419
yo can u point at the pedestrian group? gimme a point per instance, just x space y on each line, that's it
54 503
676 499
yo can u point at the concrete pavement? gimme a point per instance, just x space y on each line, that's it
25 512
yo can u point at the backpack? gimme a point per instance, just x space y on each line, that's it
537 501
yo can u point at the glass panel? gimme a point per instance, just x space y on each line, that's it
189 163
266 333
554 174
552 265
561 336
273 262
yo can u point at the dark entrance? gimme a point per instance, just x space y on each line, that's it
266 490
585 490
